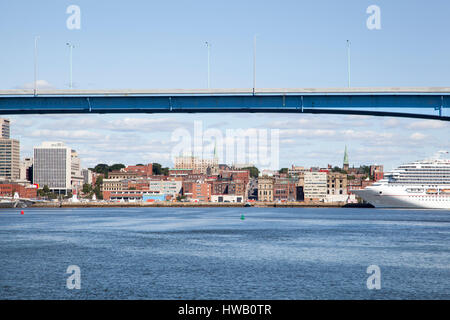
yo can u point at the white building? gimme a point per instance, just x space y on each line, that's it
76 175
9 159
227 198
315 185
56 166
196 163
87 176
9 153
25 166
172 188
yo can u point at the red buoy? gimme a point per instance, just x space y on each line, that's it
21 212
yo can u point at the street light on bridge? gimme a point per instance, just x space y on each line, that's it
208 45
35 63
71 46
348 62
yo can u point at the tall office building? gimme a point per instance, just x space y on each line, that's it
9 159
76 176
4 126
26 170
9 153
56 166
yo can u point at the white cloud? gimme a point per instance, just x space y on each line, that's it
428 124
417 136
66 134
40 84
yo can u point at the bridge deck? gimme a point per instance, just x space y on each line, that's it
364 101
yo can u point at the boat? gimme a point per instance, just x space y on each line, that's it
419 184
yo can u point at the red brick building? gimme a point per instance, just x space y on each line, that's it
141 171
200 191
8 190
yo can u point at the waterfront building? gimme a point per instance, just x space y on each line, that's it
151 196
24 191
315 185
123 195
168 187
9 159
265 188
336 183
285 189
337 187
57 166
197 191
221 198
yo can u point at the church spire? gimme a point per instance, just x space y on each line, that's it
346 164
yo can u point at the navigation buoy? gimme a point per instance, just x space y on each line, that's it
242 217
21 212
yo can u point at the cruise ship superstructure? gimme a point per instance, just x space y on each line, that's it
420 184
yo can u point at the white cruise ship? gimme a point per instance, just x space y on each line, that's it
420 184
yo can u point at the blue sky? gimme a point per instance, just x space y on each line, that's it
161 44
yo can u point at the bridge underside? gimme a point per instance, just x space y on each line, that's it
425 105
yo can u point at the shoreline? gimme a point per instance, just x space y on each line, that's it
198 205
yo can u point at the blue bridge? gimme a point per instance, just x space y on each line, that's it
426 103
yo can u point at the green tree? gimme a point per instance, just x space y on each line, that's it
116 167
157 169
283 170
87 188
254 172
97 188
102 168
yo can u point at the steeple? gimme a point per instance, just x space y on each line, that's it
345 166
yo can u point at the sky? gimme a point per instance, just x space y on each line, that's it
161 44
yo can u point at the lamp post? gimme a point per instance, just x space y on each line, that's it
208 45
35 63
71 46
348 62
254 64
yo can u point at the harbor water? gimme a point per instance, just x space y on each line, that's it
224 253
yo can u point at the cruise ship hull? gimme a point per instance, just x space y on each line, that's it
399 197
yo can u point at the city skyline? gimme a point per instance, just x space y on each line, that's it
132 139
305 46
